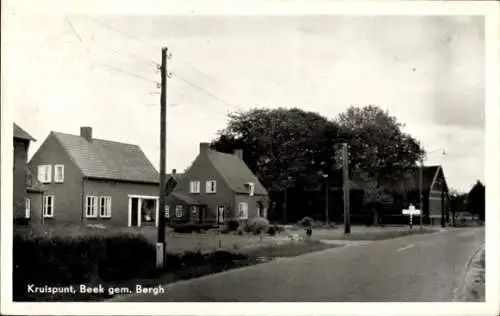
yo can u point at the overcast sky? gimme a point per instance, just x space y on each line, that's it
427 71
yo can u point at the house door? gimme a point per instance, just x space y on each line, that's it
220 214
195 214
134 212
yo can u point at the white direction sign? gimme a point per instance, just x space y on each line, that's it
411 211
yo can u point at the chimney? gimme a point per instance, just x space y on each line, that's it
239 153
204 147
86 132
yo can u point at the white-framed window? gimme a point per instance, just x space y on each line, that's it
91 206
251 188
179 210
59 173
48 206
105 206
194 187
243 210
27 208
211 186
45 173
167 211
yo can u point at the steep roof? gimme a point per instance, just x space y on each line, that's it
104 159
236 173
21 133
428 175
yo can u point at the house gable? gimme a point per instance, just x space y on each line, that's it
67 195
236 173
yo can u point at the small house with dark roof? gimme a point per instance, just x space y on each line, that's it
96 181
217 187
27 193
435 193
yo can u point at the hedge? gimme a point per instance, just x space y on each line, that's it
59 261
54 259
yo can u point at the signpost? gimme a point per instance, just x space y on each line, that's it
411 211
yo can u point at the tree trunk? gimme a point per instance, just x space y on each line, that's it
375 217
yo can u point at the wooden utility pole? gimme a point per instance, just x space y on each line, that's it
327 203
443 224
285 205
345 167
421 197
160 245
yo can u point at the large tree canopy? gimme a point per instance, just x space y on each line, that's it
378 146
281 145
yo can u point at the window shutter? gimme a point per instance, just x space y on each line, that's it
108 209
48 174
87 206
94 213
41 174
28 208
59 173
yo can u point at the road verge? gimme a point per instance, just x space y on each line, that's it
472 288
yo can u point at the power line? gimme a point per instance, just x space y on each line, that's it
106 65
121 71
206 92
133 57
120 32
154 47
130 56
206 75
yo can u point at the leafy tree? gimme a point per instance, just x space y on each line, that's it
458 203
476 200
386 155
281 145
376 197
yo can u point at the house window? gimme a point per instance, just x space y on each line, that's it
59 173
45 173
211 186
178 210
243 210
251 188
105 206
48 206
194 187
91 206
167 211
27 208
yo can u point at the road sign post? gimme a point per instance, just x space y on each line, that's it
411 211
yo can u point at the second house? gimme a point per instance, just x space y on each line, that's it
95 181
217 187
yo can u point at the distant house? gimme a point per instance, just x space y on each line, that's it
96 181
434 191
27 192
216 188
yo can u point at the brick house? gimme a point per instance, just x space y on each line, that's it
96 181
217 187
435 194
27 193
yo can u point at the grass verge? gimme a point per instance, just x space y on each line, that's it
380 234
